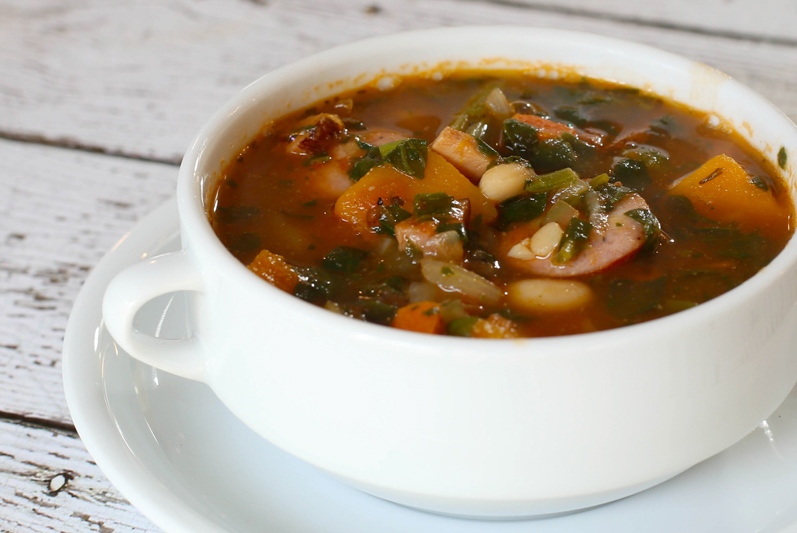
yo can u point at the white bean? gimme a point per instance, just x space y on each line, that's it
548 295
522 250
505 181
546 240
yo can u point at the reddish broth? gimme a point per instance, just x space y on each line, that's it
621 145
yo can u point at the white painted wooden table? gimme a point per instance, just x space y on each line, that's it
98 100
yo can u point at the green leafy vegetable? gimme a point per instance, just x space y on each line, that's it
474 109
521 208
407 155
571 114
552 154
573 240
552 181
782 157
371 159
344 259
316 285
459 227
485 148
437 204
631 173
519 138
388 216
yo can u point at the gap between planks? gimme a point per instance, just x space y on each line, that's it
37 422
71 144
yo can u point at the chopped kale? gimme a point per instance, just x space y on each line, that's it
521 208
573 240
344 259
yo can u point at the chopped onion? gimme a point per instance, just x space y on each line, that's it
497 103
454 278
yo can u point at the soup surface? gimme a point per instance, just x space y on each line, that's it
501 207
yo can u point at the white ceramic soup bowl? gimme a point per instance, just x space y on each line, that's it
487 428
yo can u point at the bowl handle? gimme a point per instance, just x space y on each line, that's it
136 285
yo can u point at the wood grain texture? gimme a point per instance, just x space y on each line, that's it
753 20
48 483
62 210
140 79
137 80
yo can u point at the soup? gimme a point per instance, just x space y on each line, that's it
501 206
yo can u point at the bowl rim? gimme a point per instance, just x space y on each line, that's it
194 219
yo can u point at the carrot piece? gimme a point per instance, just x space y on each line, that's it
462 150
549 129
494 326
723 191
423 317
384 183
274 269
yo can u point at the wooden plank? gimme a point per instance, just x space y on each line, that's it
48 483
147 75
756 20
62 209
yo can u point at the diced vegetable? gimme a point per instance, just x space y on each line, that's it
454 278
274 269
358 204
423 317
497 104
463 326
469 155
560 212
722 190
552 180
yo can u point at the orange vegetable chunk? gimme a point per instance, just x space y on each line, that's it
423 317
274 269
723 191
384 183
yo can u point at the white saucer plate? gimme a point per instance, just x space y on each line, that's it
189 465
